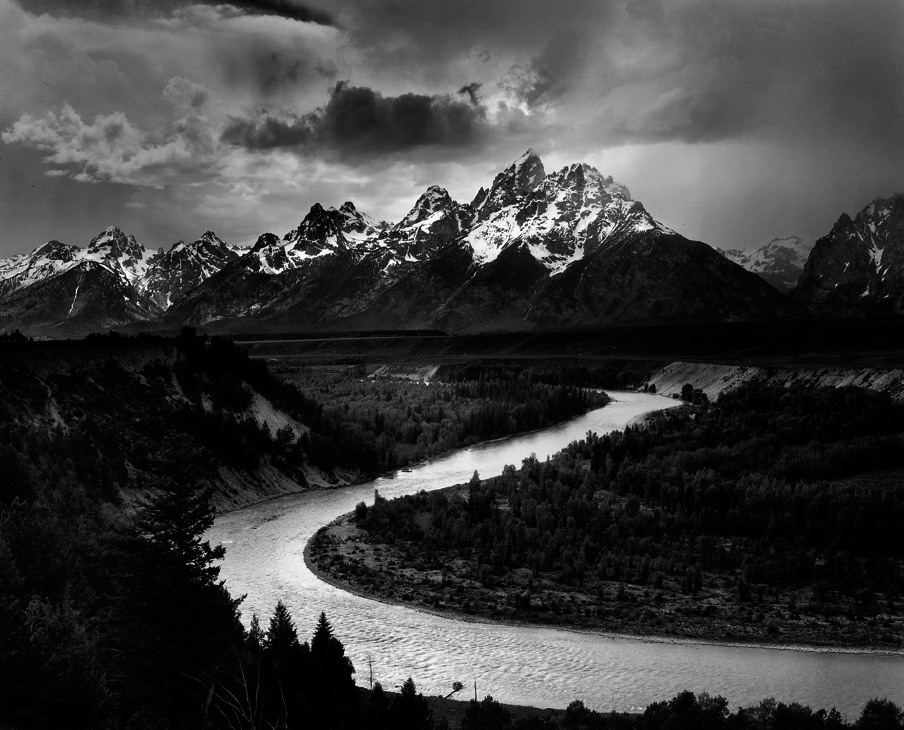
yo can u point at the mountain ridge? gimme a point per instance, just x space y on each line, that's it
780 262
857 269
568 248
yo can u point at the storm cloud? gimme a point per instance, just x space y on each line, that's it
361 122
120 9
734 122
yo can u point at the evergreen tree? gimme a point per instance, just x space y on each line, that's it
377 716
410 710
486 715
178 625
334 700
281 637
286 666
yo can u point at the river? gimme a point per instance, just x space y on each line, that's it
532 666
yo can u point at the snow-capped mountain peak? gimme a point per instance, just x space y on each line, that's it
432 201
122 253
859 266
531 250
184 267
510 186
434 221
780 262
558 217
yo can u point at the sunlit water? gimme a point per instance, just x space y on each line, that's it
536 666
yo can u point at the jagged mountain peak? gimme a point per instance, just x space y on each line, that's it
780 261
325 230
110 237
211 237
589 178
514 183
56 251
534 249
186 265
433 222
320 228
432 201
858 268
265 240
121 252
210 242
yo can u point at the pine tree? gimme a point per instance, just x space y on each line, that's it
334 700
171 657
323 636
410 710
281 637
255 637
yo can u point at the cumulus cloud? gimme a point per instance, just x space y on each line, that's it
549 74
119 9
360 122
112 149
185 94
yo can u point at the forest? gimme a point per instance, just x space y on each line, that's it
771 514
110 453
389 423
112 608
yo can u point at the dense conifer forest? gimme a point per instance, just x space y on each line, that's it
770 515
111 607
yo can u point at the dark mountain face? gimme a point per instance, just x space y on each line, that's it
564 250
509 187
45 261
858 268
86 297
170 275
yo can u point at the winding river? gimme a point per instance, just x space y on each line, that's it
532 666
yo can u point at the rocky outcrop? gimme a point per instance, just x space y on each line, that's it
858 268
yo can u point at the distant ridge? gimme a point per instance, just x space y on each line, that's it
533 250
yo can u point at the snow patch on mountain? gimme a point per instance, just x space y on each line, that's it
780 262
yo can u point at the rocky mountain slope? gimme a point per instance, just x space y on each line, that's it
173 273
858 268
113 282
532 251
780 262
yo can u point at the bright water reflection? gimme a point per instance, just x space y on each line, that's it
544 667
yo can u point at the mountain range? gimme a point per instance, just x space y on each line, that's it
780 262
531 251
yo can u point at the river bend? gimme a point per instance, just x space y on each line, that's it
534 666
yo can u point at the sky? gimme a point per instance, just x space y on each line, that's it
733 122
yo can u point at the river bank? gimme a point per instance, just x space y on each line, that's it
522 665
341 555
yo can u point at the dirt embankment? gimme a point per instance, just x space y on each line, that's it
714 379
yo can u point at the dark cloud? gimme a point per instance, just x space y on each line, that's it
360 122
549 74
412 31
283 8
472 90
267 131
119 9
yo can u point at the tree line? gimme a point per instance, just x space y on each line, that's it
761 491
